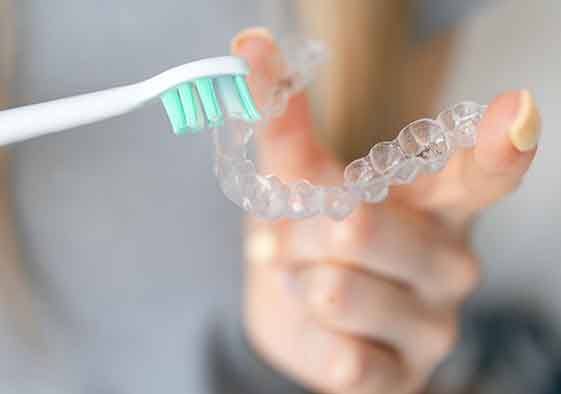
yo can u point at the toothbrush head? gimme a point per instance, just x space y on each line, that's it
210 90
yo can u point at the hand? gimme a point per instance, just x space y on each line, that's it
370 305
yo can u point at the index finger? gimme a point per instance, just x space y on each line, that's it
287 148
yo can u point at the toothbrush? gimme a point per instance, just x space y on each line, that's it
194 95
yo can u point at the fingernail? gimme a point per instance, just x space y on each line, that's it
251 33
525 131
261 51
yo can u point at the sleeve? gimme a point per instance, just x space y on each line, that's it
234 367
435 16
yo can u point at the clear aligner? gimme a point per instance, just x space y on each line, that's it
423 146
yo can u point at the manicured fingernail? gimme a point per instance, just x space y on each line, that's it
251 33
526 128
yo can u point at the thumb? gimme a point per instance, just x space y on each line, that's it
506 146
286 146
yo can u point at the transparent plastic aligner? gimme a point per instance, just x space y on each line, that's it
424 145
266 196
339 202
303 57
233 174
368 183
425 142
304 200
461 121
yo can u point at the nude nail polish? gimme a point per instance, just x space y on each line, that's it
252 32
526 129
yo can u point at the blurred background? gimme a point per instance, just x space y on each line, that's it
129 248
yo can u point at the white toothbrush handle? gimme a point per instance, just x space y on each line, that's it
22 123
30 121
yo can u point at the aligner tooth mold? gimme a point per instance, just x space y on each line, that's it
423 146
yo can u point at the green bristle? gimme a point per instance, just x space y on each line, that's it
247 100
174 110
210 102
191 104
231 99
194 115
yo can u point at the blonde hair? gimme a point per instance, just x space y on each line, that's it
6 48
376 79
15 292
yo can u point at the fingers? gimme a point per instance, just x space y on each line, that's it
374 308
367 305
476 178
339 330
507 141
289 136
339 363
395 242
285 332
259 49
332 362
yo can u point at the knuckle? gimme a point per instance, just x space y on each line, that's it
368 368
469 274
262 246
513 185
348 367
463 273
356 232
442 339
334 293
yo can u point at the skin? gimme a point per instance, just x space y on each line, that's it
370 304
